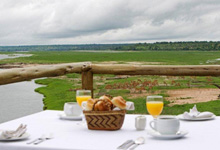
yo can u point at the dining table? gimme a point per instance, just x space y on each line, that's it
72 135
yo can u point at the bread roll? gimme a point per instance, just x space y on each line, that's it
122 98
102 105
90 103
105 97
109 96
119 102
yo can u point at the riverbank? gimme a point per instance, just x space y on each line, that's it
19 99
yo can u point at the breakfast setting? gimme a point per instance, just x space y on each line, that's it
109 74
94 120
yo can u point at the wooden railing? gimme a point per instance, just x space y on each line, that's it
87 69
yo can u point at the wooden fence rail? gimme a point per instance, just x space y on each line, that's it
169 70
87 69
27 73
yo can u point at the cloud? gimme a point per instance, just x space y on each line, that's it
27 22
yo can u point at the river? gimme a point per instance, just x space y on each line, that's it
19 99
4 56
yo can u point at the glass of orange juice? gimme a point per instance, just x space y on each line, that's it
154 105
82 95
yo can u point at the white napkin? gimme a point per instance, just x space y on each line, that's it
129 106
8 134
194 113
205 114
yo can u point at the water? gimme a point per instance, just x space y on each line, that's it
3 56
19 99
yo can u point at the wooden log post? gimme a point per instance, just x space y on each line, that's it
87 78
87 81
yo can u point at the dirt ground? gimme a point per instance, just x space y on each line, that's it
185 96
193 95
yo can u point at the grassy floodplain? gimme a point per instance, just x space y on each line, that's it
62 89
164 57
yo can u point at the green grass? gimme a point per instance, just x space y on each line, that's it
167 57
58 91
212 106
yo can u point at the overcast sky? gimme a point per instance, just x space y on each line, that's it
28 22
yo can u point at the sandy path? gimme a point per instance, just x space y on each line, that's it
194 95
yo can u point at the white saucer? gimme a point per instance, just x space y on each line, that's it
64 116
195 119
23 137
167 137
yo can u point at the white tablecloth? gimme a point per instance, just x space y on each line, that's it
203 135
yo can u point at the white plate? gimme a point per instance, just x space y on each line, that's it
64 116
167 137
195 119
24 136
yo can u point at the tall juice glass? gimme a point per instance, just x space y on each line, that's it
154 105
81 96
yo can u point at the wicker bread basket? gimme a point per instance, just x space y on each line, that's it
104 120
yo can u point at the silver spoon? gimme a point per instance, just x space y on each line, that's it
50 136
137 142
37 139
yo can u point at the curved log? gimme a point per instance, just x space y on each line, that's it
27 73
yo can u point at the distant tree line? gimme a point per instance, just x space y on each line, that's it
62 47
196 45
158 46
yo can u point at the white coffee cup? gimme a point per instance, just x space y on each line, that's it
166 125
140 122
72 109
